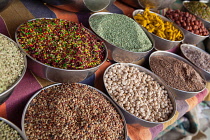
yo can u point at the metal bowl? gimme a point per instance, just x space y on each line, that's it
206 23
14 127
204 72
81 5
118 54
155 5
129 117
160 43
191 38
4 4
179 94
58 75
6 94
100 92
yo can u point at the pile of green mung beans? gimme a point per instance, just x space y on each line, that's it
8 133
11 63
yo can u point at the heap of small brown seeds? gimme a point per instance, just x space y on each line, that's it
72 111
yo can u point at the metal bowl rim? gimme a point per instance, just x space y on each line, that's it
57 84
192 46
17 81
48 66
110 2
103 13
186 61
14 127
165 19
172 97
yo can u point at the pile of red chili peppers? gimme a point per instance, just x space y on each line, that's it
60 43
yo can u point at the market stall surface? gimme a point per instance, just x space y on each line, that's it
23 10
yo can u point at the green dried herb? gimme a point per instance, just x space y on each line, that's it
121 31
199 9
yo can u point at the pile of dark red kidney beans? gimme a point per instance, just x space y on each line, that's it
187 21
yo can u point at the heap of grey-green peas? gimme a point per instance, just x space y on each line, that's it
11 63
8 133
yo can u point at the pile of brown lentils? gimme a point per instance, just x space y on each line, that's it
11 63
138 93
72 111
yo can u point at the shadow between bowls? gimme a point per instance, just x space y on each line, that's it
207 44
132 119
179 94
58 75
23 136
4 4
118 54
161 43
7 93
205 73
100 92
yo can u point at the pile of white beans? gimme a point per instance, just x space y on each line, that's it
138 93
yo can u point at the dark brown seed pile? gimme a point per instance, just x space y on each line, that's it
177 73
72 111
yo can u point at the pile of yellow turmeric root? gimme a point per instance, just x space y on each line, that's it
154 24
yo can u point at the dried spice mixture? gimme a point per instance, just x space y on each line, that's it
177 73
60 43
121 31
8 133
156 25
200 9
198 57
72 111
138 93
11 63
